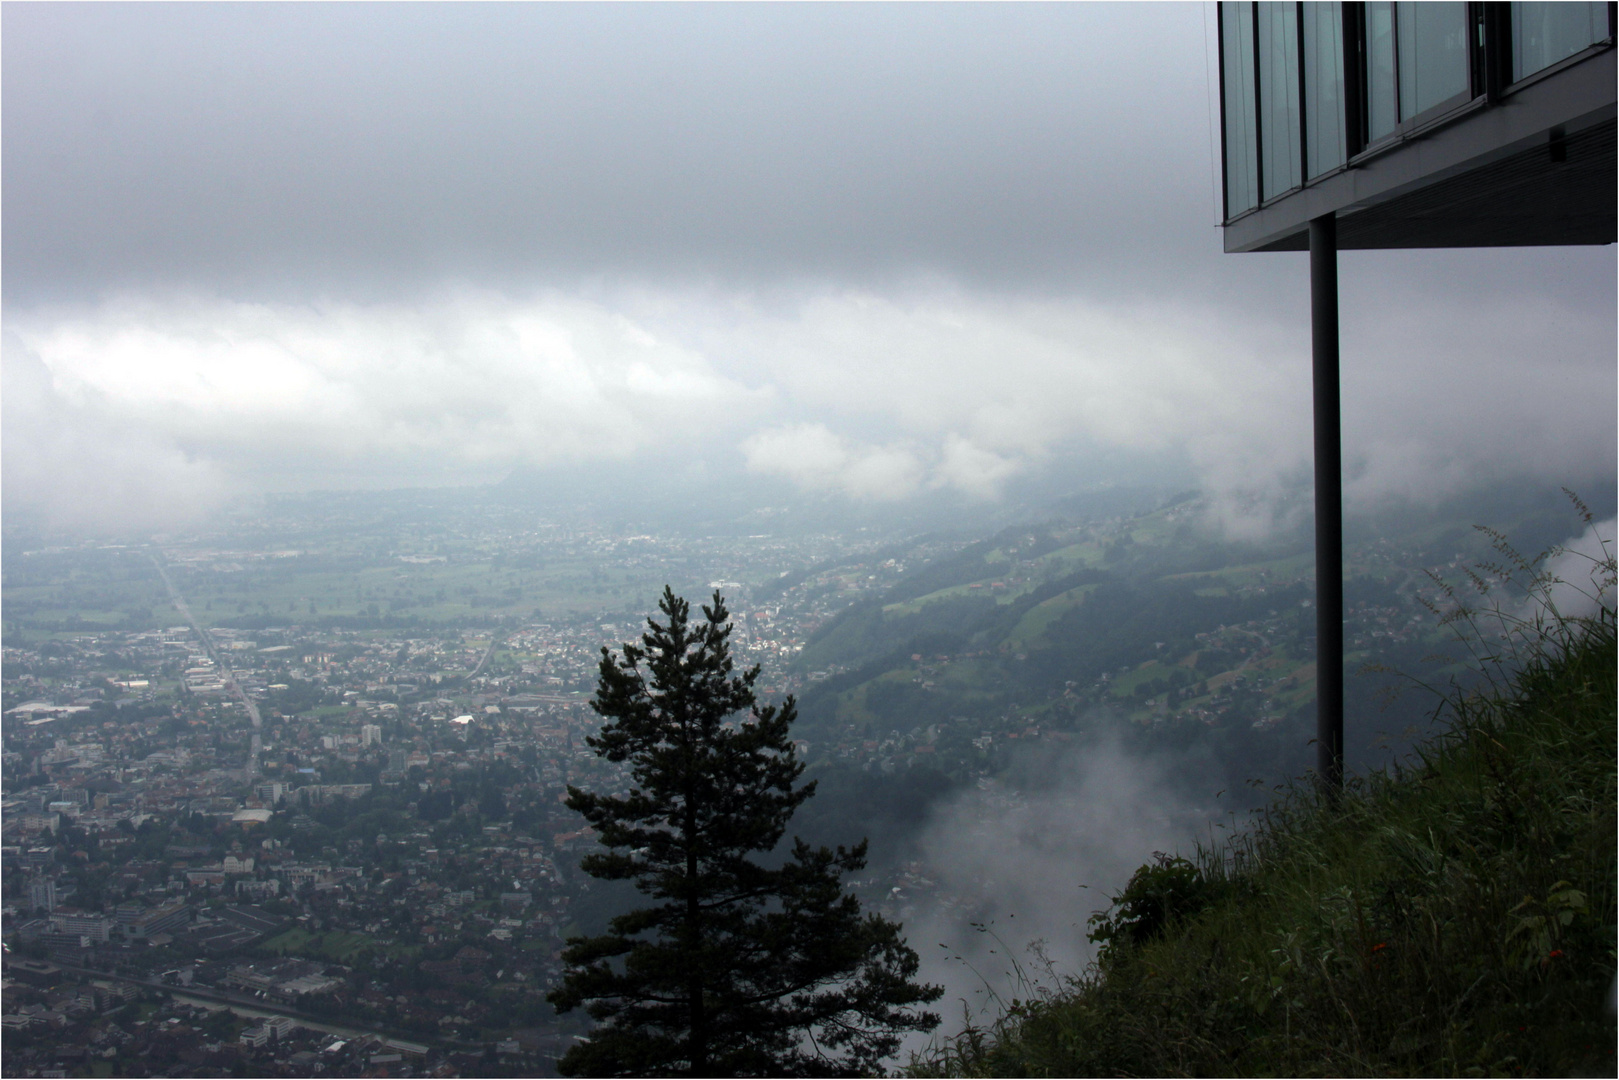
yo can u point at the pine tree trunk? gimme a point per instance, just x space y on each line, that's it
698 1038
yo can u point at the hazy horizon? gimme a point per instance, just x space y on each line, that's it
876 254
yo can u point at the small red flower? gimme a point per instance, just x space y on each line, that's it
1380 946
1554 954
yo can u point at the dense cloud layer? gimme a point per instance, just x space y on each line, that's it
344 147
873 251
77 461
876 397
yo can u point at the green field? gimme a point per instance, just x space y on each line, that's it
122 590
1034 624
338 946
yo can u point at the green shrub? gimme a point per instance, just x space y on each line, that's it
1164 891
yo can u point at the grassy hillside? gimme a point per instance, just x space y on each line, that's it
1455 916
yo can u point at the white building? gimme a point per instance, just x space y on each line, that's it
85 924
42 893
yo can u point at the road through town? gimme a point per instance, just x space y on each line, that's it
225 672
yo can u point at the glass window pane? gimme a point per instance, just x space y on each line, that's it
1325 128
1382 100
1433 54
1241 105
1279 97
1543 34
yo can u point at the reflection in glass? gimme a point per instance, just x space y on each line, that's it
1241 108
1279 96
1433 54
1543 34
1325 126
1382 96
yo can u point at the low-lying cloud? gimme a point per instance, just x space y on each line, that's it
1580 575
331 396
875 396
1029 863
78 462
812 457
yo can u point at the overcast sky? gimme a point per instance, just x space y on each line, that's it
869 250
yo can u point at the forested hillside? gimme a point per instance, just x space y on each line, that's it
1148 630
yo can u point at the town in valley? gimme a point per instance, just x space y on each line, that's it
288 796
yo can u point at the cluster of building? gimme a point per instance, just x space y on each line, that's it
368 823
355 823
58 1023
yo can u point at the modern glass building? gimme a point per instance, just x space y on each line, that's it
1405 125
1418 124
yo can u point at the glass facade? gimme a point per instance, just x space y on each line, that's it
1305 87
1326 144
1434 60
1278 31
1241 98
1382 91
1543 34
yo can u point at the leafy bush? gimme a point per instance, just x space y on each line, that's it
1164 891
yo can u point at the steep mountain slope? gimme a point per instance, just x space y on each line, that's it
1456 916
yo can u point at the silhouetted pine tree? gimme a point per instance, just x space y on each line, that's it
737 968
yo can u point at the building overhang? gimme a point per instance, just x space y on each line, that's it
1536 167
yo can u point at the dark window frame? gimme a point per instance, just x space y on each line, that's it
1219 61
1258 117
1265 198
1225 150
1440 111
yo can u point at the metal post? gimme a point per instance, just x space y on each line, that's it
1329 508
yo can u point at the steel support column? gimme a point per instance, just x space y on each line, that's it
1329 507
